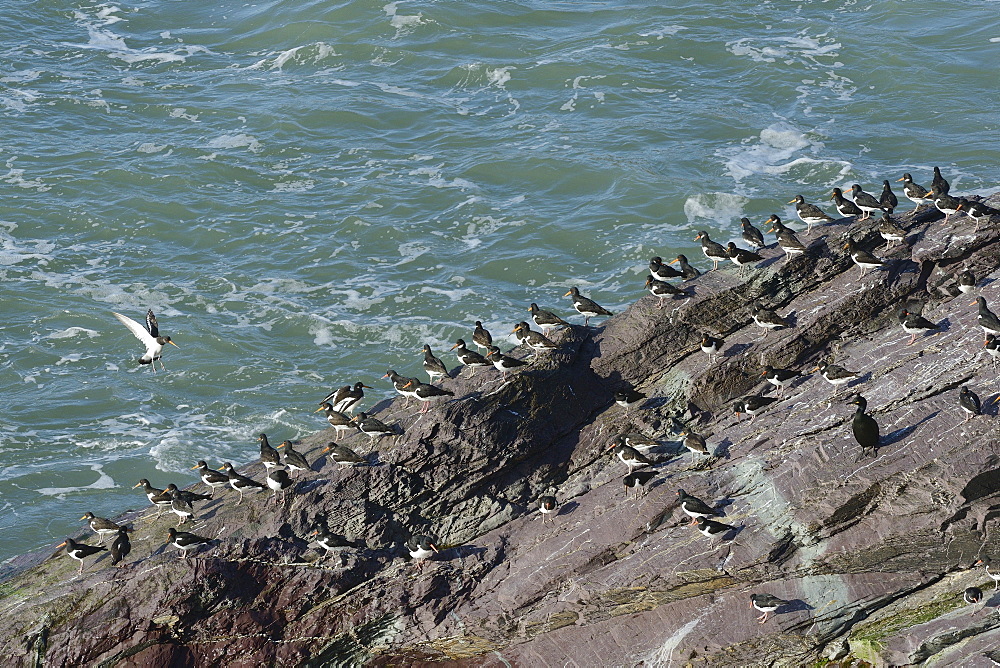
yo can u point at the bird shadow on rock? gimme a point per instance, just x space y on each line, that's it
380 406
654 402
460 552
309 485
722 449
735 349
567 508
794 605
900 434
860 380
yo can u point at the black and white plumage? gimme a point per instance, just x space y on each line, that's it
865 201
966 281
154 494
939 182
120 547
185 495
185 542
713 528
628 398
278 480
347 398
689 270
421 547
332 542
481 336
434 367
634 439
337 420
752 405
944 202
890 231
992 347
767 319
970 403
269 457
711 346
810 214
637 481
978 211
240 482
294 460
787 240
994 575
588 308
503 363
887 199
694 507
537 341
694 442
424 393
742 257
629 456
211 477
973 596
343 456
101 526
546 320
372 427
845 207
547 505
663 290
862 258
80 551
915 325
914 192
835 375
663 272
780 378
752 236
766 604
712 250
987 319
149 336
470 358
864 426
181 507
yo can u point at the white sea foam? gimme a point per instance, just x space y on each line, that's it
715 206
665 31
104 481
239 140
775 153
150 147
401 23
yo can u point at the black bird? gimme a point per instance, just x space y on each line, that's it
80 551
634 439
211 477
845 207
586 307
547 505
977 211
372 427
915 324
186 496
810 214
120 547
155 495
637 480
628 397
149 336
294 460
268 456
890 231
865 201
751 235
751 405
503 363
985 562
711 346
944 202
185 541
765 603
470 358
780 378
240 483
347 398
546 320
421 547
865 428
331 542
742 257
180 506
887 199
663 272
537 341
787 240
434 367
987 319
694 507
629 456
424 393
966 282
481 336
767 319
689 270
402 385
278 481
835 375
102 527
694 442
862 258
712 528
973 595
343 455
914 192
969 401
939 182
337 420
713 251
661 290
992 346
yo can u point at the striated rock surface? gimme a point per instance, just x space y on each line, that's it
871 553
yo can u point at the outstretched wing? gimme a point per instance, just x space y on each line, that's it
138 331
154 329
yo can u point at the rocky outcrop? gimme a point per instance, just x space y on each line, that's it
872 553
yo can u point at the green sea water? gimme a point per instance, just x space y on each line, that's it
307 192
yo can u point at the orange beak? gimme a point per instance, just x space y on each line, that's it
902 179
793 200
453 347
568 293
